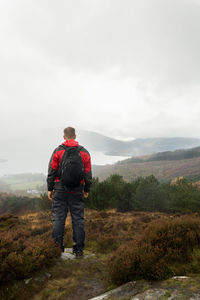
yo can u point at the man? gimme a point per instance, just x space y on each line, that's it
72 198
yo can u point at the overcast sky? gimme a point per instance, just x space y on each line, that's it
123 68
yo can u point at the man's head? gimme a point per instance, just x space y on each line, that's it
69 133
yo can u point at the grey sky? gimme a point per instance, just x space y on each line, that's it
121 68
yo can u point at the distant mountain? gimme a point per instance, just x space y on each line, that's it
110 146
97 142
164 165
32 153
166 155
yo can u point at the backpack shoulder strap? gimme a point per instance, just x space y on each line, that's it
66 148
63 146
80 147
62 159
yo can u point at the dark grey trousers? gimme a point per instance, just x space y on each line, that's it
62 202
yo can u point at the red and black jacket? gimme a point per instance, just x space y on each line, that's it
52 178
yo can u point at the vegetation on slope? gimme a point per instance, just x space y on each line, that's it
164 249
145 234
24 247
163 165
126 246
166 155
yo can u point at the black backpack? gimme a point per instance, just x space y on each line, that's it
71 169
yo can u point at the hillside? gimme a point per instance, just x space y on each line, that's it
164 165
98 142
33 269
166 155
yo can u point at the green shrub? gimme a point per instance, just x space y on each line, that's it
10 203
43 202
143 193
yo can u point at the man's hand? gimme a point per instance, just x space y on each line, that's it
85 195
50 194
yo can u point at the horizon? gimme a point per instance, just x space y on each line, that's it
98 157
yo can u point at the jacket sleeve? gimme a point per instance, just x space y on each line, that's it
87 172
52 170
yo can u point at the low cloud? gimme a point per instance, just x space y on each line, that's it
121 68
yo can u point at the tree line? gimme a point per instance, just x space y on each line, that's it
141 194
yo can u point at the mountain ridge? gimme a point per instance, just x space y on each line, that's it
42 144
136 147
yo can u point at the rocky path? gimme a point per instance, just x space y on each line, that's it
175 288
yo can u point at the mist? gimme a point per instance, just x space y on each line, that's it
126 70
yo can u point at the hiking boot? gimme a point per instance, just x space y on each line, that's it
79 254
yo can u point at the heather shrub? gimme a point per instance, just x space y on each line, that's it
162 250
24 249
106 244
41 230
106 231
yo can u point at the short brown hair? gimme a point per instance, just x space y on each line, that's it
69 132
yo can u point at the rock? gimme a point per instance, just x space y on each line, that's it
40 278
68 250
27 280
68 254
65 255
151 294
129 289
180 277
174 288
